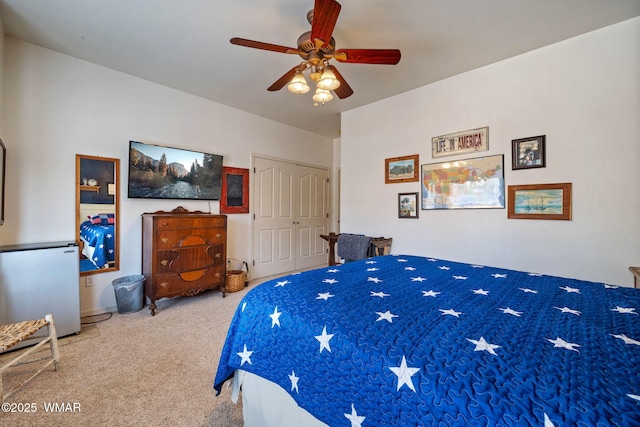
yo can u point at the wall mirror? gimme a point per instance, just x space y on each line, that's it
3 164
97 213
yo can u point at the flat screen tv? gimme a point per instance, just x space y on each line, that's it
157 172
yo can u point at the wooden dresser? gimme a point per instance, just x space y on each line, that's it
183 253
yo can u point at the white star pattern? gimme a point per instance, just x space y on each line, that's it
294 381
477 266
370 262
483 345
451 312
626 339
275 317
379 294
324 340
610 286
560 343
430 293
356 420
388 338
568 310
547 421
404 374
385 316
510 311
624 310
245 356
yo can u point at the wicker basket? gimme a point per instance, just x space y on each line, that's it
235 280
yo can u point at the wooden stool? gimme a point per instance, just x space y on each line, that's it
14 333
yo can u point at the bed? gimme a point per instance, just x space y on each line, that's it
407 340
97 234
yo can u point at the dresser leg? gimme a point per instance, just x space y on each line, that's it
152 307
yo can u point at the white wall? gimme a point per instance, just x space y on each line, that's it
57 106
583 94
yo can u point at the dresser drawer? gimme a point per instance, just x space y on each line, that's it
189 258
185 223
169 239
189 283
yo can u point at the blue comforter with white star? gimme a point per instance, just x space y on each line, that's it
402 340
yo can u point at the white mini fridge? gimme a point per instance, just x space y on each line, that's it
41 278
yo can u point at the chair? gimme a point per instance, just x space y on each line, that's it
14 333
636 275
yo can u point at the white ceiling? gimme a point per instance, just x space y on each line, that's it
184 44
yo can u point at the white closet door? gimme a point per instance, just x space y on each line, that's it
290 208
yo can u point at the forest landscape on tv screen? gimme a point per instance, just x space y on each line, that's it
158 172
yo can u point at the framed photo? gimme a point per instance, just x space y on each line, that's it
468 141
540 201
401 169
464 184
408 205
528 153
235 191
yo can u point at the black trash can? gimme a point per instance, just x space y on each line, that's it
129 293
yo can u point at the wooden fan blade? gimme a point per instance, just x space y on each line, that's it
264 46
325 16
282 81
368 56
344 90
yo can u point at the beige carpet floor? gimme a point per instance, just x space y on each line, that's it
134 369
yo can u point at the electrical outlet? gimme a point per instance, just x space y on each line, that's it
89 281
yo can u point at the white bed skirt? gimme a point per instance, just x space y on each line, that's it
266 404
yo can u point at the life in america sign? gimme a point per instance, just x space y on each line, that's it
469 141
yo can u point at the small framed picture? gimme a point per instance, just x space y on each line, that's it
408 205
401 169
528 153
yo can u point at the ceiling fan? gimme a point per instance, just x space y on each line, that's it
316 48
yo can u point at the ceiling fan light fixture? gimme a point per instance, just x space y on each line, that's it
322 96
328 80
298 84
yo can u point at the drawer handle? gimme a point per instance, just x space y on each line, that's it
164 240
218 275
218 255
164 262
163 284
218 236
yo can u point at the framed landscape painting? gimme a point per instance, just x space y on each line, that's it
540 201
401 169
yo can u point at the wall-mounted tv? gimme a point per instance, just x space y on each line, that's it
157 172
